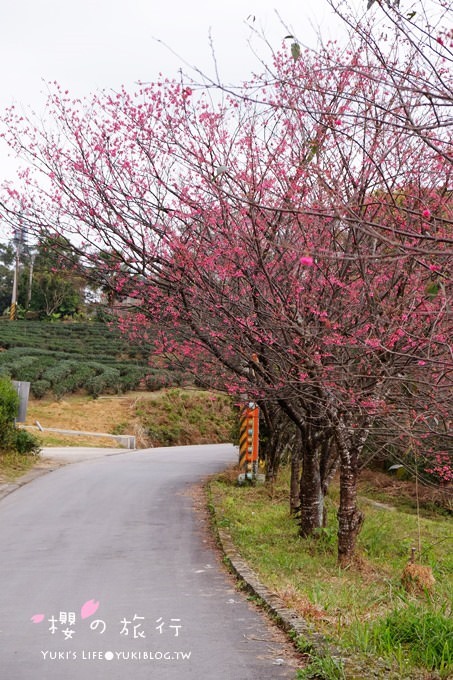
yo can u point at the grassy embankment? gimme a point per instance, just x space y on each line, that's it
364 610
164 418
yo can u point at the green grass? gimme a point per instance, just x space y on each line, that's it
337 602
412 635
325 668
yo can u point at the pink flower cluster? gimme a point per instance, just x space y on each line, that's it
442 468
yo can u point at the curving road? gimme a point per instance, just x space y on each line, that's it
114 566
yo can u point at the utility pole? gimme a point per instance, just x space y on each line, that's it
30 279
18 241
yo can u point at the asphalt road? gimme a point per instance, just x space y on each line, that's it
107 571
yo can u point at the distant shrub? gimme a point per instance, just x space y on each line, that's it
26 443
111 378
130 378
157 380
10 438
65 386
69 356
57 372
39 388
82 373
94 386
166 435
30 368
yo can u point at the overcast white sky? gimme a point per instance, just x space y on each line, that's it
100 43
91 44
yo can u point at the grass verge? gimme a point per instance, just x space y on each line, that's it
362 610
13 465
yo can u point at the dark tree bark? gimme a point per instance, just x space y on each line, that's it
311 492
278 436
350 518
296 469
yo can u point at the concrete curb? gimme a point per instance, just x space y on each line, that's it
310 642
288 619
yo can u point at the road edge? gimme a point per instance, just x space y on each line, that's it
306 640
6 488
300 632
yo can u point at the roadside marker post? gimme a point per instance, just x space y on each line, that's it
13 311
249 442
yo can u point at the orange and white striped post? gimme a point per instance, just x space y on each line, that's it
248 441
13 311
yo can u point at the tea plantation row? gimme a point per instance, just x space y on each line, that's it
63 358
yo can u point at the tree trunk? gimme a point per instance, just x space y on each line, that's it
311 494
296 467
270 441
350 518
272 465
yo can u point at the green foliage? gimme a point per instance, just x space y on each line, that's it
39 388
58 372
130 379
179 417
12 440
29 368
9 401
49 285
54 295
9 405
103 379
26 443
413 636
63 358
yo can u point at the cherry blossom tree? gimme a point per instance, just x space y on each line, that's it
294 239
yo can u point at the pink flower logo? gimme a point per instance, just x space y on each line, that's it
89 608
37 618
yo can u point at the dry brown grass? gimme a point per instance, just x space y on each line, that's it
164 418
418 579
396 489
292 598
110 414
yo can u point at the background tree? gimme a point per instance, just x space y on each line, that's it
57 285
7 257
